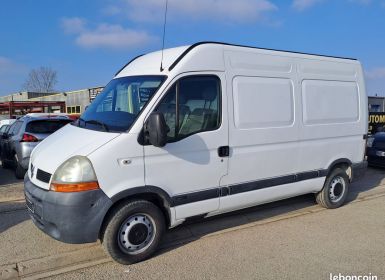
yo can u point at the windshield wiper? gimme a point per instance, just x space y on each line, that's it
103 125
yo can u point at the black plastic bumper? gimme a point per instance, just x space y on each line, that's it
67 217
358 170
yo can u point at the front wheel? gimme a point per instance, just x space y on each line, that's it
133 231
335 189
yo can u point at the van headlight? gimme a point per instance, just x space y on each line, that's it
74 175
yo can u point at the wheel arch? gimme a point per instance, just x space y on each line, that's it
152 194
344 163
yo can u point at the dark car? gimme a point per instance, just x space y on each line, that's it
376 150
3 131
23 136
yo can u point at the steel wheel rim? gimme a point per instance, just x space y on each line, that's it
136 234
337 189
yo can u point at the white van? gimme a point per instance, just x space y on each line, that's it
216 128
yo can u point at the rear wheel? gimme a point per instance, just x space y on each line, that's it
5 164
133 231
335 189
19 170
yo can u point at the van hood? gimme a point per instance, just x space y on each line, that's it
65 143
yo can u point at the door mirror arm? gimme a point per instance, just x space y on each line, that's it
155 130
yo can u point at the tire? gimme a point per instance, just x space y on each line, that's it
335 189
5 164
19 170
133 231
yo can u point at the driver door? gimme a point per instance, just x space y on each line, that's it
189 167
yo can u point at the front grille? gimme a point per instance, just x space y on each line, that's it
43 176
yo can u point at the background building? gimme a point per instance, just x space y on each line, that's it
376 104
24 96
75 101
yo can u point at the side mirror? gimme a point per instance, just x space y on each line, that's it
155 129
5 136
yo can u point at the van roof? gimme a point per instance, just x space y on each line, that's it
173 56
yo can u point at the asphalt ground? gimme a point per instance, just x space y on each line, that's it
349 240
290 239
7 176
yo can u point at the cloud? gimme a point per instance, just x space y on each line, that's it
114 36
73 25
111 36
375 73
301 5
223 10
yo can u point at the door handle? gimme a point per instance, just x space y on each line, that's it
223 151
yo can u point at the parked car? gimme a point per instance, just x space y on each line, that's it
23 136
3 131
216 128
6 122
376 150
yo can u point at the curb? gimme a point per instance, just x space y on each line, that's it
13 205
46 266
11 192
49 263
94 255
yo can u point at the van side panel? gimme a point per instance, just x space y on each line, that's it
333 107
289 114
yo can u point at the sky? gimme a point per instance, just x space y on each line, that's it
87 41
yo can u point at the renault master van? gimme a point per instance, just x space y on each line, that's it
216 128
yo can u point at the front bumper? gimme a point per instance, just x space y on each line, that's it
67 217
374 159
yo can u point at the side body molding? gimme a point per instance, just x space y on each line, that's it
152 190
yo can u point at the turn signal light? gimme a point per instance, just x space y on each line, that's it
28 138
74 187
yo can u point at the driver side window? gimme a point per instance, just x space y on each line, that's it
191 105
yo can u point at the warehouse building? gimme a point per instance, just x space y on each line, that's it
76 101
376 104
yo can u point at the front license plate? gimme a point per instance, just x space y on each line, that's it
30 205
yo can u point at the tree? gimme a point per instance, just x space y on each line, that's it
42 79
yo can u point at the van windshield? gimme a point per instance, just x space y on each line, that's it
116 108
